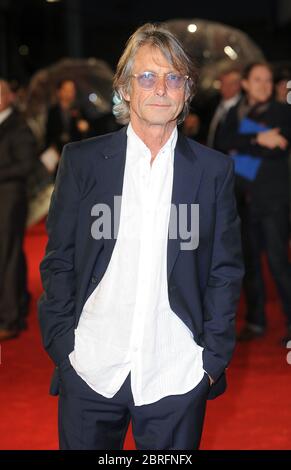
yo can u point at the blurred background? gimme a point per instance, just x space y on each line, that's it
37 33
45 41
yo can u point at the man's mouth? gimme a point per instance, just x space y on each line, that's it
159 105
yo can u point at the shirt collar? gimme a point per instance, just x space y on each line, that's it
5 114
135 141
231 101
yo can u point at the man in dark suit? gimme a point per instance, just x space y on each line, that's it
17 155
230 94
138 312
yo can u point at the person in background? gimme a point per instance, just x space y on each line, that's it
141 326
17 157
66 121
230 94
257 134
282 93
282 85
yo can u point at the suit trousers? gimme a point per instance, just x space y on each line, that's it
269 232
88 420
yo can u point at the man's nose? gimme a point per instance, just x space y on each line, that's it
161 87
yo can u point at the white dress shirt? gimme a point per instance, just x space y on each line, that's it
127 324
5 114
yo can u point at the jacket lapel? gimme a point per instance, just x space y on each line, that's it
109 173
187 176
7 123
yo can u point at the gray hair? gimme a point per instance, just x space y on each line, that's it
161 38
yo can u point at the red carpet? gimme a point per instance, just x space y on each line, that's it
255 413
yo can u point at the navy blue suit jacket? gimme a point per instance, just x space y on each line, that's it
203 284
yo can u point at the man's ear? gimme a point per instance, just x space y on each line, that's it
244 84
125 95
187 94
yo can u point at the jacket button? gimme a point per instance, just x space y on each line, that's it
94 280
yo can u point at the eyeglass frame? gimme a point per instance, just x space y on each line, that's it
186 77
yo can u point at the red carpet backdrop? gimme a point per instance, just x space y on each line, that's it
255 413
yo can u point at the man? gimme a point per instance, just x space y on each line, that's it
257 134
282 84
282 87
230 92
141 326
17 155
